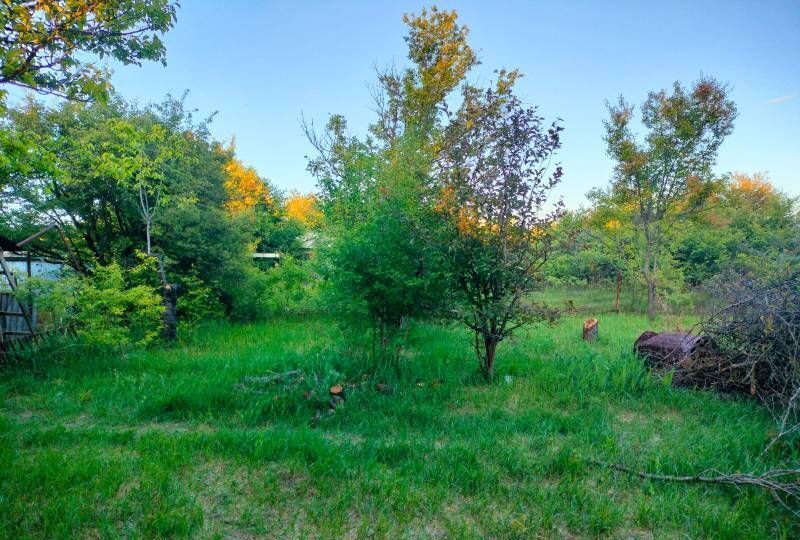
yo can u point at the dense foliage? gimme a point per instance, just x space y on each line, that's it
120 179
665 176
440 212
43 45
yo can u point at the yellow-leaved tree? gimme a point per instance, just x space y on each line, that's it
246 190
303 207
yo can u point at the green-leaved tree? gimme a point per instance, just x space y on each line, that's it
667 174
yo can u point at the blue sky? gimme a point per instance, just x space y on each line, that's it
262 65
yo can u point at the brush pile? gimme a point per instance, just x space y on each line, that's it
752 345
757 341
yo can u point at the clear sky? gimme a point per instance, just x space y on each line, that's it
262 65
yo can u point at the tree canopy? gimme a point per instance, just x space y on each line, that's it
43 43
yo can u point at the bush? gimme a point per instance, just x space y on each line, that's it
288 288
105 308
292 288
197 302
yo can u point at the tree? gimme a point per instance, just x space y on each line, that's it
246 190
43 43
303 208
608 227
666 176
496 183
135 154
750 228
114 174
441 58
377 193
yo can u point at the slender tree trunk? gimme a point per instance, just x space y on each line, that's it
650 269
619 288
147 232
489 350
651 298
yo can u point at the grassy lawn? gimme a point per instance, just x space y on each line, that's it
180 442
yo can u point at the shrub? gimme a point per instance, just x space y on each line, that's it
197 302
292 288
104 308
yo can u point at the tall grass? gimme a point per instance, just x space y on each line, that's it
180 442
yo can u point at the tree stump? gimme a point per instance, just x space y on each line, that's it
590 330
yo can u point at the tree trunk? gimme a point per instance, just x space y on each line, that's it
147 232
489 350
169 294
650 268
651 297
619 288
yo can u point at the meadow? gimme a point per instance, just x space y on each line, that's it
191 441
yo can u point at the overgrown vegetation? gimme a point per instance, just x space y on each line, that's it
185 442
355 411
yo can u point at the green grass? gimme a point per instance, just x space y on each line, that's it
177 443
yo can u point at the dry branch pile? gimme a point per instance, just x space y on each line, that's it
757 341
759 334
751 346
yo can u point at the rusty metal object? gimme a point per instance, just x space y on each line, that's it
590 330
668 349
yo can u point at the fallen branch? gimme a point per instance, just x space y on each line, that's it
275 377
783 484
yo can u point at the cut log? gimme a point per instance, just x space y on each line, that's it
337 390
590 330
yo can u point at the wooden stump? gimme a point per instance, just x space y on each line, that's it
590 329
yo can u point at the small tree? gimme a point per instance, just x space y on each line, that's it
666 175
609 227
497 237
135 155
376 194
381 269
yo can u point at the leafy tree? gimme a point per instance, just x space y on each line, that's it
608 226
304 208
246 190
667 175
497 179
748 227
114 175
345 169
43 44
102 170
383 269
377 193
135 154
441 58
